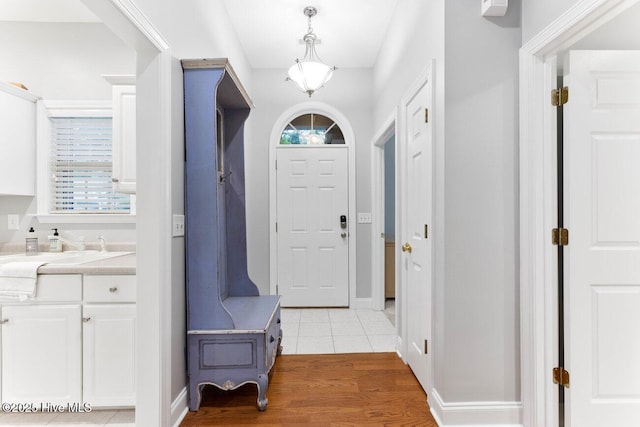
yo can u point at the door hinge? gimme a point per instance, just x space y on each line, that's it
559 96
426 231
426 115
276 165
276 227
561 376
560 237
426 346
277 291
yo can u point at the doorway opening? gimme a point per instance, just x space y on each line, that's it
389 177
312 208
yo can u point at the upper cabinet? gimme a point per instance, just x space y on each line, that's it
124 132
17 141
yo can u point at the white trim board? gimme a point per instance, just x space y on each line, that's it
474 414
386 131
537 201
179 408
350 142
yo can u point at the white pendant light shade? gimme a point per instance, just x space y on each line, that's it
310 76
310 73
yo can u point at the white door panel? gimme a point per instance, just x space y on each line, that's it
313 255
602 136
417 217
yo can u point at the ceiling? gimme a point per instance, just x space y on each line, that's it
45 11
351 31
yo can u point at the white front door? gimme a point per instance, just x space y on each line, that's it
602 285
417 220
313 242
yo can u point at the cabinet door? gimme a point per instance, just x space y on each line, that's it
41 354
109 354
124 139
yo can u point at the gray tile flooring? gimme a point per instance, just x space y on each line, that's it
305 331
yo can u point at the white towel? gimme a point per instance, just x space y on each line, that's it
18 279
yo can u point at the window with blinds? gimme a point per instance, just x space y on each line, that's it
81 165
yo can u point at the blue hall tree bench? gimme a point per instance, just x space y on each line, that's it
233 333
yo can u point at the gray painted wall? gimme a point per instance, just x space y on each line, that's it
478 357
537 14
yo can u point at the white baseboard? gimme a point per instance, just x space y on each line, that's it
475 414
179 408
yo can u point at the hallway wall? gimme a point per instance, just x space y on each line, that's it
476 316
536 15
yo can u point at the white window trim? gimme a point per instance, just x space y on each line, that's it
46 109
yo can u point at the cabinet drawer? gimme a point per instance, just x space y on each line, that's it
110 288
58 287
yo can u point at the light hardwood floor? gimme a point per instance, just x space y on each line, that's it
368 389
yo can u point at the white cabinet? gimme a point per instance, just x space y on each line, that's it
73 343
17 141
108 341
41 348
124 133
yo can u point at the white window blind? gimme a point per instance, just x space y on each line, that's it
81 165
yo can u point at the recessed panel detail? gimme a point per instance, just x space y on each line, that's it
616 341
621 91
327 218
299 268
298 167
326 168
299 211
327 267
616 190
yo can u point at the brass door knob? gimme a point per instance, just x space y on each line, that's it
406 248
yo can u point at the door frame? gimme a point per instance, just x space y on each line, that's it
538 265
425 77
386 131
350 141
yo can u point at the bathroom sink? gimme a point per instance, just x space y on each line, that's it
69 257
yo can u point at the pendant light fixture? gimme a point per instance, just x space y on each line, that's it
310 73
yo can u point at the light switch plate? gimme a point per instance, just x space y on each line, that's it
178 225
13 222
364 217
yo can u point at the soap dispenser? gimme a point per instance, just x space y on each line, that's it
55 244
31 243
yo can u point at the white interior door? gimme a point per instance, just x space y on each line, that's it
417 247
313 243
602 138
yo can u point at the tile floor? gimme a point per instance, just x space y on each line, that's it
111 418
336 330
305 331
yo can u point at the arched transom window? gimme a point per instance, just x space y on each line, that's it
311 129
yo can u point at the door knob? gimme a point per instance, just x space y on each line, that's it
406 248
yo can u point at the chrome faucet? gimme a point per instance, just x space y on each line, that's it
103 246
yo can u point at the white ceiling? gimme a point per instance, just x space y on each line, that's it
351 31
45 11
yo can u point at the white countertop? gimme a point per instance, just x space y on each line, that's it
123 264
76 262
